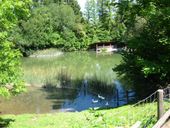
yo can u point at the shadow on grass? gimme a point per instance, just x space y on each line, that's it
4 123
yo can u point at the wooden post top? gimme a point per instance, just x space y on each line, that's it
160 90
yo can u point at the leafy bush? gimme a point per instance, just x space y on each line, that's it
10 72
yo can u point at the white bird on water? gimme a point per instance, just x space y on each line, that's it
94 101
101 97
107 104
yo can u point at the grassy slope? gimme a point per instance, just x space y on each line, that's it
124 116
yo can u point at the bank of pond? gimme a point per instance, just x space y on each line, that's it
124 117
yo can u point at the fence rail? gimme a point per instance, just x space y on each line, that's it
162 97
162 120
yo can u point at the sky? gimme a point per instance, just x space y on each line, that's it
82 4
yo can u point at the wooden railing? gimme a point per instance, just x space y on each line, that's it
162 95
162 120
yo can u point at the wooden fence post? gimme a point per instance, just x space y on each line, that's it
117 97
160 110
127 96
168 92
137 125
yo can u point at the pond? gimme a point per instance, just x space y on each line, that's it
73 81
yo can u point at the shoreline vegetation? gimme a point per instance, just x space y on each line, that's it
52 52
55 52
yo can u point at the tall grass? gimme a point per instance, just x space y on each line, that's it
70 66
61 79
101 84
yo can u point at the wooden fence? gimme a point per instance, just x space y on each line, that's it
162 116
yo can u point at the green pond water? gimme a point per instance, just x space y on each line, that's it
75 65
72 81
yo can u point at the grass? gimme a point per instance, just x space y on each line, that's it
51 51
124 117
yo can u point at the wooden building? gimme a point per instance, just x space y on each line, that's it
106 47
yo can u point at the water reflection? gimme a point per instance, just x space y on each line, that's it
51 99
76 64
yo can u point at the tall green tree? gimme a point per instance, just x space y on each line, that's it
146 63
105 12
123 20
100 18
47 27
91 12
10 73
73 3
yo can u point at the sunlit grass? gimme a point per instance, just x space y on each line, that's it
124 116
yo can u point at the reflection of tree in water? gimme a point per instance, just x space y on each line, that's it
37 70
65 88
63 79
69 92
59 95
70 88
96 83
100 84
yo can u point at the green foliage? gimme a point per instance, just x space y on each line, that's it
59 23
10 74
71 42
91 11
52 25
147 60
100 18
